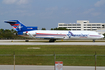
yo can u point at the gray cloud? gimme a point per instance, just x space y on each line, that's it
15 1
96 14
99 3
89 11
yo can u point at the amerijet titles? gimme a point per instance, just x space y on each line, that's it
76 35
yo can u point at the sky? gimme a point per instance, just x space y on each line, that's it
48 13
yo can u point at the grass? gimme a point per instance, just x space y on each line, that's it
51 49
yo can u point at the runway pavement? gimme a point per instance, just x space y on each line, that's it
53 43
34 67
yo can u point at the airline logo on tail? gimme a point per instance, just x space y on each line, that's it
16 26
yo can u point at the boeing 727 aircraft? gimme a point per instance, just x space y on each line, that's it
52 35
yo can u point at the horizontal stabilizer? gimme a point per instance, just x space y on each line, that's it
12 21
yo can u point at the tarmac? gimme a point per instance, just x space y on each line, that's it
53 43
34 67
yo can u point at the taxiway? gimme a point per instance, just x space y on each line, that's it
34 67
53 43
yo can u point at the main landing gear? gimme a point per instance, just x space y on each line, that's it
52 40
93 40
26 40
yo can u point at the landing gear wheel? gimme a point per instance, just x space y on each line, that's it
93 40
52 40
26 40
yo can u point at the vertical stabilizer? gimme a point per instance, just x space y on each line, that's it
16 25
19 27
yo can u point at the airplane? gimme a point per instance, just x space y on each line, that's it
52 35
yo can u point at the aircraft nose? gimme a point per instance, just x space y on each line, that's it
102 36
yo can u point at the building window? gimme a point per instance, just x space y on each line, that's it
103 26
78 29
69 27
84 24
78 24
65 24
94 27
88 29
93 24
69 24
73 29
63 27
60 24
88 24
74 24
98 25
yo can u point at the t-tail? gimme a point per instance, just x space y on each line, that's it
19 27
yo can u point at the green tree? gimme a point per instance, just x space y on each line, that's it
13 31
60 28
1 31
52 29
43 29
7 31
104 35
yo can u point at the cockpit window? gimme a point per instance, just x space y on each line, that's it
99 33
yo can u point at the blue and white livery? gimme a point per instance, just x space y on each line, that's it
52 35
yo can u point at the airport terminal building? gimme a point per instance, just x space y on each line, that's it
84 25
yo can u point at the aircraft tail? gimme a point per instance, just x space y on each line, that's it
16 25
19 27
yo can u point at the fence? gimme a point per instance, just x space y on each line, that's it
49 59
